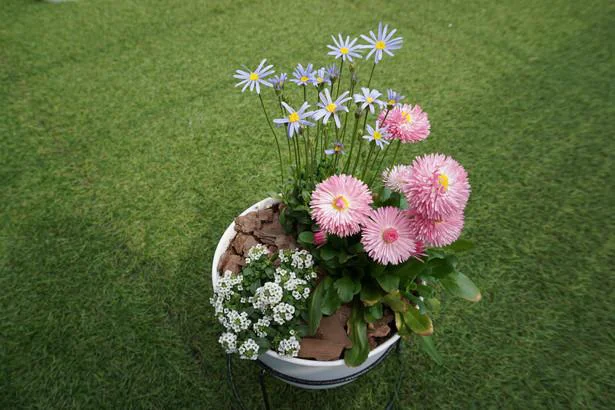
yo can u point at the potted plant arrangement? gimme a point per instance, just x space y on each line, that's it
319 281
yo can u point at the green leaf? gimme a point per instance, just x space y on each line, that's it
427 345
373 313
315 308
409 270
359 351
306 237
460 245
402 329
331 301
403 203
347 288
460 285
371 292
327 253
420 324
443 267
395 302
388 281
433 305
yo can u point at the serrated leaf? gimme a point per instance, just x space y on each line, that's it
460 285
346 288
315 310
359 351
428 346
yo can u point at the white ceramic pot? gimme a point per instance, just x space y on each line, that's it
311 374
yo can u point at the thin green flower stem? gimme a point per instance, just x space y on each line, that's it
353 137
277 143
339 80
379 167
317 140
377 151
396 151
356 162
305 145
346 116
297 155
326 140
370 75
371 150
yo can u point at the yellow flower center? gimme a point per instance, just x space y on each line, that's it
304 79
443 181
380 45
369 100
340 203
253 76
344 50
377 135
391 102
319 80
407 116
294 117
331 107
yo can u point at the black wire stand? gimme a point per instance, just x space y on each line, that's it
266 370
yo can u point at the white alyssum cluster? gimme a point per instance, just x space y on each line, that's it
283 312
228 341
267 295
262 308
248 350
261 326
256 253
289 347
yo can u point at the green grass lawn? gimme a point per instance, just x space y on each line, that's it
126 150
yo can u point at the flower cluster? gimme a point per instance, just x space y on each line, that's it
369 236
261 307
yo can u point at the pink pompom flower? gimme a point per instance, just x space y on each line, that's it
397 177
437 233
438 186
341 204
320 238
388 237
406 123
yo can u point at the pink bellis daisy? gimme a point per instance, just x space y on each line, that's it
341 204
437 232
438 187
320 238
253 79
406 123
397 177
388 237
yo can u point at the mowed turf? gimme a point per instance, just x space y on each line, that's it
126 150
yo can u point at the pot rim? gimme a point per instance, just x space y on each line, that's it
222 246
